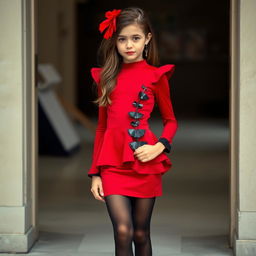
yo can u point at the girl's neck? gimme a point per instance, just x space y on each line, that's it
134 64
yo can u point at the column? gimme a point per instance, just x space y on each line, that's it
245 235
18 228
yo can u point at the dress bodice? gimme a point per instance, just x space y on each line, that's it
123 125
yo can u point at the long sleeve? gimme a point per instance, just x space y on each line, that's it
100 130
163 100
98 139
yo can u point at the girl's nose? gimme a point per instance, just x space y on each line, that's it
129 43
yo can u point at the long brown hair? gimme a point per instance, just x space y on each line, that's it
111 60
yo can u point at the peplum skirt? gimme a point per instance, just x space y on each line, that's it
130 183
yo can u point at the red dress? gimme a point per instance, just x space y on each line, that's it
123 127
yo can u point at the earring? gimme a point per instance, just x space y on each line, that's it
146 50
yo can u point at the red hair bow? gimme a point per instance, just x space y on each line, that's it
110 22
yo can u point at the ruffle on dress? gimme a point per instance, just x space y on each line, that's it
115 151
95 72
167 69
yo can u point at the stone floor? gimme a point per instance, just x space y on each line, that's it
190 219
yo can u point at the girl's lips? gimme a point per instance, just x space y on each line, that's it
130 52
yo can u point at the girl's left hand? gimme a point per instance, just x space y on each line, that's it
148 152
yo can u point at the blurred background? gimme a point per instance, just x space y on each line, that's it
192 216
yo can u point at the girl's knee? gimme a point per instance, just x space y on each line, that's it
124 231
141 236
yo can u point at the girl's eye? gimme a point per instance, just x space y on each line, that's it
122 39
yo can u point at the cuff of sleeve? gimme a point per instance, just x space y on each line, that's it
166 143
95 174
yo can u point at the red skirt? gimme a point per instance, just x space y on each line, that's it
130 183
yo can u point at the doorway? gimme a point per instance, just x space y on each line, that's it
196 130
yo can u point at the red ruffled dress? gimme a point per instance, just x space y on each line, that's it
123 127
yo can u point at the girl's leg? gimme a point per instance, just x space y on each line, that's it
141 214
119 209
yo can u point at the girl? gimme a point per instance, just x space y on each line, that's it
128 159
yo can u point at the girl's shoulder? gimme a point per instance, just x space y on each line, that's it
158 72
155 72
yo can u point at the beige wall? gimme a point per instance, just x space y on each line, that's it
17 129
247 163
245 103
11 108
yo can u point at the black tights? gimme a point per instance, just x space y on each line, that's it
131 217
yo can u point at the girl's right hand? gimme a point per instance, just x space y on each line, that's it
97 189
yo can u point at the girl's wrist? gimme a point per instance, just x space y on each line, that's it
93 176
160 146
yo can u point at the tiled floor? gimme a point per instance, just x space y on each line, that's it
191 218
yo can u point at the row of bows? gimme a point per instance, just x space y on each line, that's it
134 132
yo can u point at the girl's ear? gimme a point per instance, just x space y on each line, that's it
148 37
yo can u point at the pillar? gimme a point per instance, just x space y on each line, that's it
244 76
18 227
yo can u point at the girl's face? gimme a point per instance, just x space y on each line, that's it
131 42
